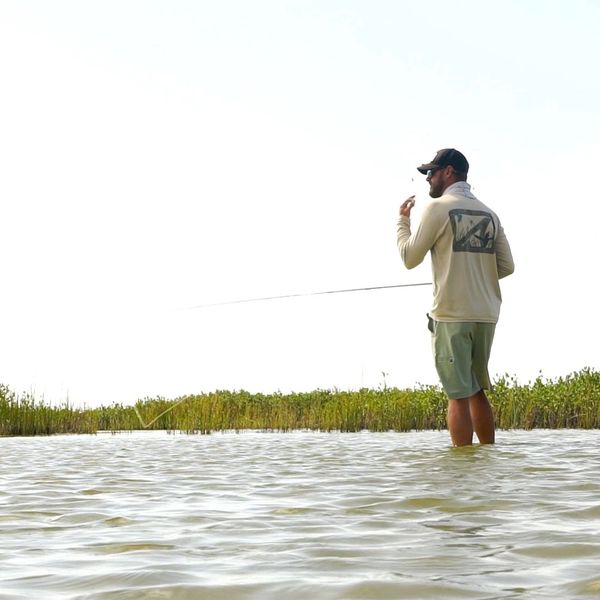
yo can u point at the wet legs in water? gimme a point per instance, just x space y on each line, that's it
466 415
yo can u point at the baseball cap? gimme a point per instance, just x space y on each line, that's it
445 157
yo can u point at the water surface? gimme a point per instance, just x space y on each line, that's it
300 515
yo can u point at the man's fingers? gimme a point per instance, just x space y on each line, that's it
406 206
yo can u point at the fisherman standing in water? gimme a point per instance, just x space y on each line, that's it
469 254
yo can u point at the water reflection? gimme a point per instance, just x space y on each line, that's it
299 515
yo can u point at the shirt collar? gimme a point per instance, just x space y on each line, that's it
460 187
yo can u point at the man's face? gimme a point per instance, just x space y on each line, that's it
437 181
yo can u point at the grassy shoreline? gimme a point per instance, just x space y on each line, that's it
572 401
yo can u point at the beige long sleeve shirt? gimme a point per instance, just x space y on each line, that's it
469 254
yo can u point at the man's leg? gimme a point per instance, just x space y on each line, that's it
452 352
468 414
461 353
460 425
482 415
482 418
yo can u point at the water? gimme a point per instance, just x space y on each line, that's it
300 516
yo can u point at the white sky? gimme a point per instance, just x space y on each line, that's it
157 155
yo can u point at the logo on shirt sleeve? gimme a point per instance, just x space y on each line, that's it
474 231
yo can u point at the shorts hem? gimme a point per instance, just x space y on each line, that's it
459 395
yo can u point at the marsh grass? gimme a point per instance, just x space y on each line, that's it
567 402
24 415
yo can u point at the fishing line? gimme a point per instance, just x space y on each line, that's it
164 412
345 291
263 299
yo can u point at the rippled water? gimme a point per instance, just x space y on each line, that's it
300 515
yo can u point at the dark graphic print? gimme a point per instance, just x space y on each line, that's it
474 231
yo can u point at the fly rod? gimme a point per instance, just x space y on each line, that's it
345 291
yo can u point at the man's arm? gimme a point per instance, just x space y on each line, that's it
414 247
504 259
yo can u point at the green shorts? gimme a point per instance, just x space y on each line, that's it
461 352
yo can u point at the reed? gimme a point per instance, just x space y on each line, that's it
24 415
572 401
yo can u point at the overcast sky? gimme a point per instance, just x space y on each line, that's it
160 155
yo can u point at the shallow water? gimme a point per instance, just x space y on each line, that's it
300 515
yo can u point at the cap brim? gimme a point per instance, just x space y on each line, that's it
424 168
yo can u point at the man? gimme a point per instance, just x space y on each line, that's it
469 254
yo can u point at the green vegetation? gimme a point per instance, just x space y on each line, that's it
572 401
25 416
